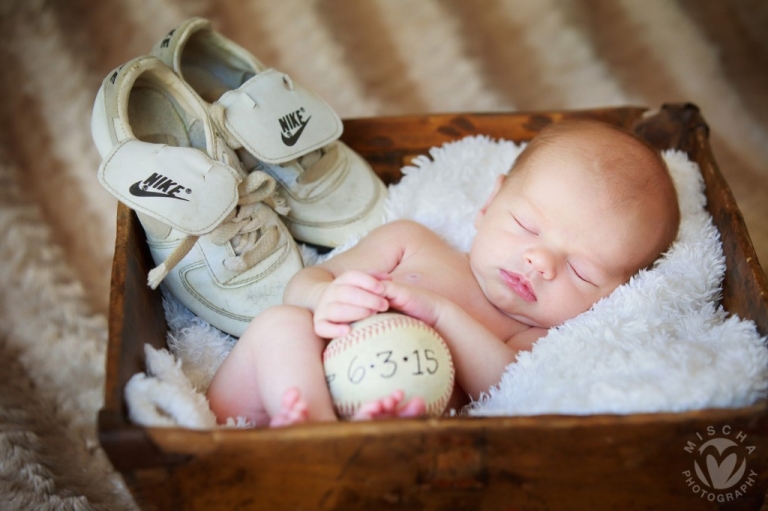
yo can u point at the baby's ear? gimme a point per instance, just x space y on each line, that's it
494 192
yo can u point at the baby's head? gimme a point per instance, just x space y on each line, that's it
585 206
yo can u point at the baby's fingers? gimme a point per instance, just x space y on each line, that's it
415 302
355 296
328 330
398 296
363 280
342 313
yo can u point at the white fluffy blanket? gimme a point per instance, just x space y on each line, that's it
658 343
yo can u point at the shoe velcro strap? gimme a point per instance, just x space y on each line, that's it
277 120
180 186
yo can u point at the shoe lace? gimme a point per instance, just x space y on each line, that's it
218 116
243 227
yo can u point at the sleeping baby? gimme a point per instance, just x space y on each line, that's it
585 206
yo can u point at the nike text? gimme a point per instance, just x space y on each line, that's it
291 122
167 40
165 187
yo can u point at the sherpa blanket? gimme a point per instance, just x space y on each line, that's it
366 58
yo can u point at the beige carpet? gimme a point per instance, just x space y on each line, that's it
367 58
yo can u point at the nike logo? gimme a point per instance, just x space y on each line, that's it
165 187
291 122
167 40
114 75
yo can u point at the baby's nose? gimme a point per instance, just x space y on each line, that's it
542 261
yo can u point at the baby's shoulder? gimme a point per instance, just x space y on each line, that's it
405 238
408 233
408 226
405 231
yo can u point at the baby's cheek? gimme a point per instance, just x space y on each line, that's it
576 303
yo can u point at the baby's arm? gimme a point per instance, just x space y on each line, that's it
480 358
348 287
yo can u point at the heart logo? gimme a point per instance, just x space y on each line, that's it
721 469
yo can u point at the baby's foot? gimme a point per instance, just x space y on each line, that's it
389 407
293 410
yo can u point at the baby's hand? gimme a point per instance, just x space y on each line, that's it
352 296
414 301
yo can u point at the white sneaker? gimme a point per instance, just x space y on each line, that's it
283 129
221 249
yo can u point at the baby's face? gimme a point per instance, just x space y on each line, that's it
550 243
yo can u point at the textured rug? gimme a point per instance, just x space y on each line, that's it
366 58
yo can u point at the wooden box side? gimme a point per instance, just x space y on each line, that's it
745 289
136 318
543 462
389 143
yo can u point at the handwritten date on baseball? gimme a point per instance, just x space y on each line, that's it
387 364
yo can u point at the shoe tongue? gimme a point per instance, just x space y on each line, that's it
161 138
310 159
179 186
276 120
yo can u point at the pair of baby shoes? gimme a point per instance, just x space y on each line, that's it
227 162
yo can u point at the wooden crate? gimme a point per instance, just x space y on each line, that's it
540 462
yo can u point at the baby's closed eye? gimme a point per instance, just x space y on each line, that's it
525 225
580 274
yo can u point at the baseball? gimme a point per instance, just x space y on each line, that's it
384 353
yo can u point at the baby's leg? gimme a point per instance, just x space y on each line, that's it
279 351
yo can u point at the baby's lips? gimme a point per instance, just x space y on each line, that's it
520 285
529 287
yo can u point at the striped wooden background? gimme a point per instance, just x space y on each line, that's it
367 58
